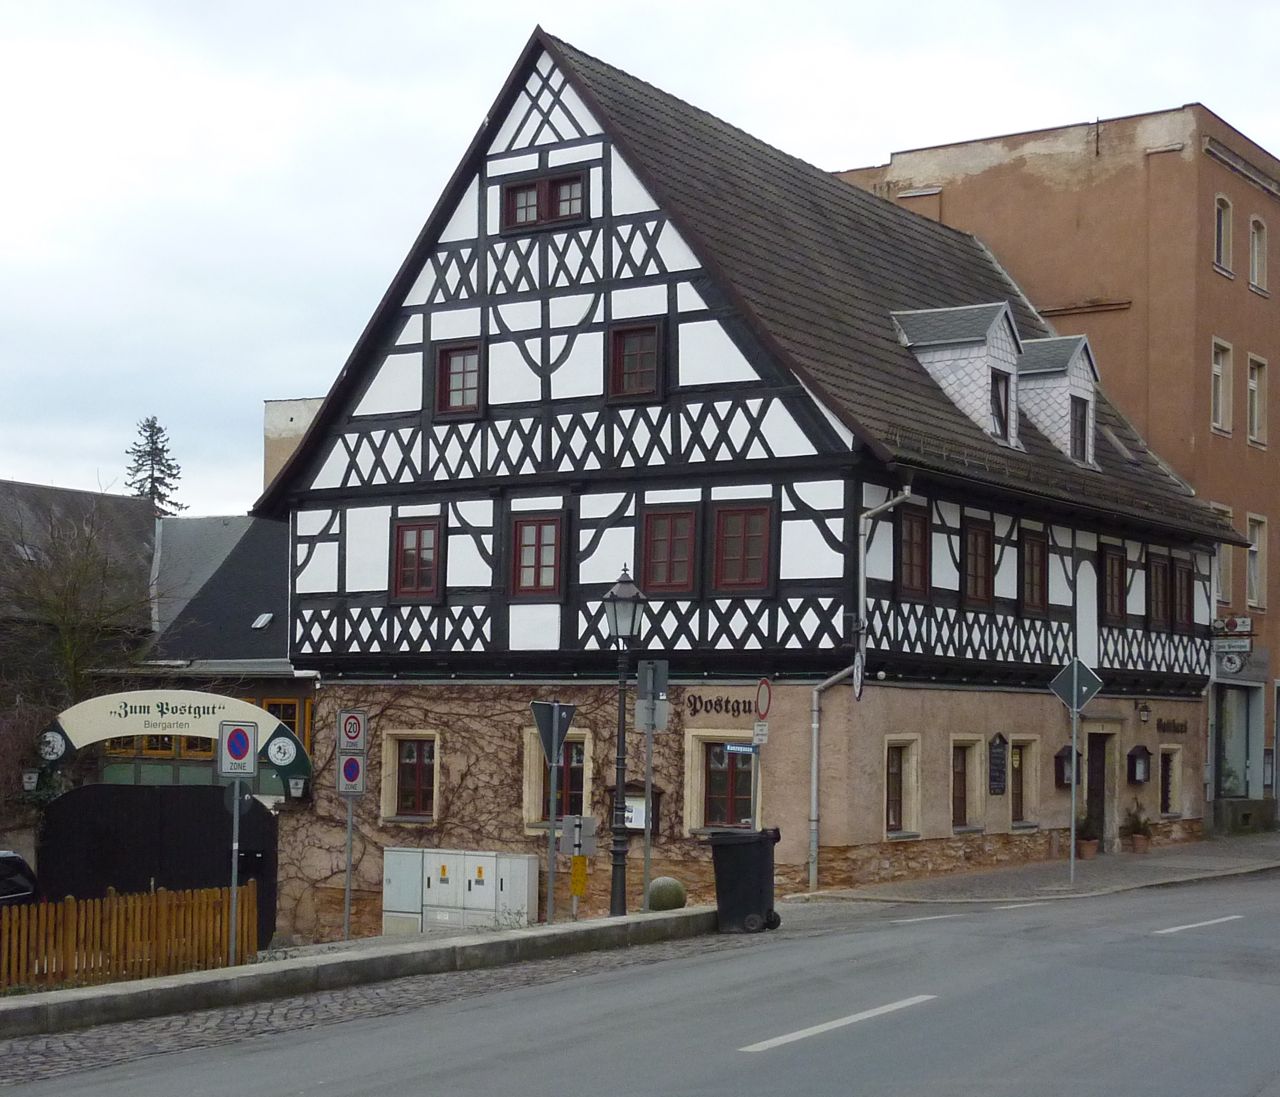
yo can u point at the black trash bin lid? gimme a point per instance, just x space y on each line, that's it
736 837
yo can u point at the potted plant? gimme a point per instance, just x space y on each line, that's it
1086 839
1137 828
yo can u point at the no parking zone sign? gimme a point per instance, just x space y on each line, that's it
350 774
237 749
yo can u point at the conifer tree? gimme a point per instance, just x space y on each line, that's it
152 473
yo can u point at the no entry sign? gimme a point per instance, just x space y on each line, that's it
237 749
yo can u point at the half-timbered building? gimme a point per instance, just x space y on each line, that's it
631 334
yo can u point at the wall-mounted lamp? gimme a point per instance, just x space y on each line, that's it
296 788
30 779
1144 712
1139 765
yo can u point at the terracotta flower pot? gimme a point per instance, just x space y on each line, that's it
1141 843
1086 848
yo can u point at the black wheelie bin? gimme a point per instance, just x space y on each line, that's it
743 862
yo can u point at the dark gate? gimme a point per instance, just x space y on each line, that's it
138 837
1096 804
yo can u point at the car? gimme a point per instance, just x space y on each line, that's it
17 880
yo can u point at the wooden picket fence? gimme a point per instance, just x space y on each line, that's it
81 941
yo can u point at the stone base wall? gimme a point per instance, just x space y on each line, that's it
1171 832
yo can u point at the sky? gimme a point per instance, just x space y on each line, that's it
202 201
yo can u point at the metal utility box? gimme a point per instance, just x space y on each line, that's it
425 887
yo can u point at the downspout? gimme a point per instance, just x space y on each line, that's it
815 702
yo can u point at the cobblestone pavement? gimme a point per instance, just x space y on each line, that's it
34 1058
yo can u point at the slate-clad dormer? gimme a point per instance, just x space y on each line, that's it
1056 387
972 352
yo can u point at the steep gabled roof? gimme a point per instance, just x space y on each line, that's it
816 267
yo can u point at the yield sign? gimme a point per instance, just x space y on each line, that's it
544 715
1086 685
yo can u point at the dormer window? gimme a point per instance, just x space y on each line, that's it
538 202
1079 428
1000 405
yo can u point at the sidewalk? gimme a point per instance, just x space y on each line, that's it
1105 874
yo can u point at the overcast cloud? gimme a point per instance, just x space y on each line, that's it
201 203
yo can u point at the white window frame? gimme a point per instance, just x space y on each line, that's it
1256 571
1223 560
1257 253
1256 409
1175 783
391 777
1220 386
695 773
1030 781
911 825
534 795
1222 233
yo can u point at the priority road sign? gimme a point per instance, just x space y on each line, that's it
350 774
1086 685
237 749
353 732
552 737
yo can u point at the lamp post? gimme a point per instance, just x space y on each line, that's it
623 610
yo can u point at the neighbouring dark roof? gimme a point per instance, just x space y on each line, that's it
817 267
1049 355
934 327
235 569
122 526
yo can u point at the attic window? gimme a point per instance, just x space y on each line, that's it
262 620
1079 428
1000 405
537 202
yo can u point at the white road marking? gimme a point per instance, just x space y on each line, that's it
1021 906
852 1019
1197 925
929 918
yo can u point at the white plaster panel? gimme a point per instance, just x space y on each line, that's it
368 532
569 312
950 514
311 522
1059 580
538 502
689 299
617 548
1002 524
674 495
596 183
505 165
821 494
1062 536
1028 523
575 155
511 381
599 506
841 431
519 315
743 491
455 324
805 555
979 513
330 474
880 549
507 131
412 330
464 566
320 576
464 223
493 211
708 356
1087 613
397 386
1006 578
676 254
578 110
418 510
629 194
478 512
1203 566
945 572
783 433
641 301
873 495
534 628
582 371
421 288
1136 601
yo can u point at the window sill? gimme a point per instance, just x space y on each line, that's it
902 836
1258 443
1219 430
968 830
1170 816
409 820
1023 828
1225 272
1259 290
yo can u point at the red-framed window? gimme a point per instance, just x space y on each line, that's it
999 404
569 781
459 380
913 552
537 543
415 776
669 551
416 564
895 763
727 801
741 548
635 361
1035 572
979 563
553 201
1112 592
1158 592
1183 596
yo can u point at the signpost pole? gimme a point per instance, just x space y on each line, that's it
235 866
1075 758
346 893
755 787
577 852
648 810
553 765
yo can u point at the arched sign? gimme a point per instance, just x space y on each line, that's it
183 712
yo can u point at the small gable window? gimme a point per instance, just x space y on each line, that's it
416 564
635 361
553 201
999 404
458 381
1079 428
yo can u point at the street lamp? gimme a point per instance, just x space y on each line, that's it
623 610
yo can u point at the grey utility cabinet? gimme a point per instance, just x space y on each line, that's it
426 887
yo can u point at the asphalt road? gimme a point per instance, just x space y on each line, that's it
1169 992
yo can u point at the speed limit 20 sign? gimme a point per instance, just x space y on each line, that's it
353 732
